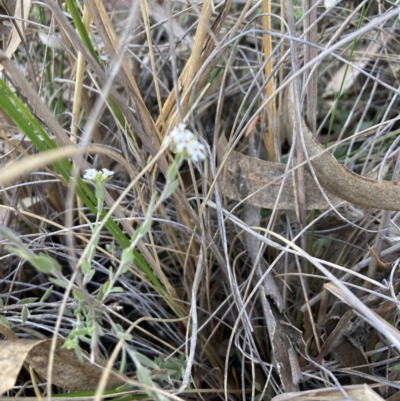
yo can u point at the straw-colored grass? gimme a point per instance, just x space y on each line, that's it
166 288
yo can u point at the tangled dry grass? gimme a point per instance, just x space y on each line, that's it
199 296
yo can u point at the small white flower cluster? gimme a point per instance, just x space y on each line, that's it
184 142
98 176
331 3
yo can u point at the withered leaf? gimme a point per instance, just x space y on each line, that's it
12 357
259 182
346 76
67 372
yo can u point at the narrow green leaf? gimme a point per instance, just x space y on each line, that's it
24 315
100 330
103 291
86 266
28 124
117 289
127 257
4 321
70 343
78 295
89 276
20 252
81 28
47 294
106 286
145 361
170 189
27 301
124 336
8 234
59 282
79 332
45 264
172 171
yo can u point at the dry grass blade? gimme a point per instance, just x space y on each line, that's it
269 139
381 324
346 76
357 393
21 14
9 174
203 46
34 100
100 18
170 112
177 260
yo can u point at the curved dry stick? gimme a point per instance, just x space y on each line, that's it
336 178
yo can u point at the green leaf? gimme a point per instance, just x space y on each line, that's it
70 343
111 247
145 378
78 353
170 189
117 289
143 229
27 301
124 336
81 28
172 171
45 264
175 367
147 362
110 273
4 321
20 252
61 283
79 332
8 234
143 375
47 294
68 312
24 315
42 262
78 296
12 106
127 257
100 330
106 286
89 276
86 267
101 293
1 303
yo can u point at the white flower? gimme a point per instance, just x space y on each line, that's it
331 3
196 150
184 142
180 133
99 177
107 173
90 174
